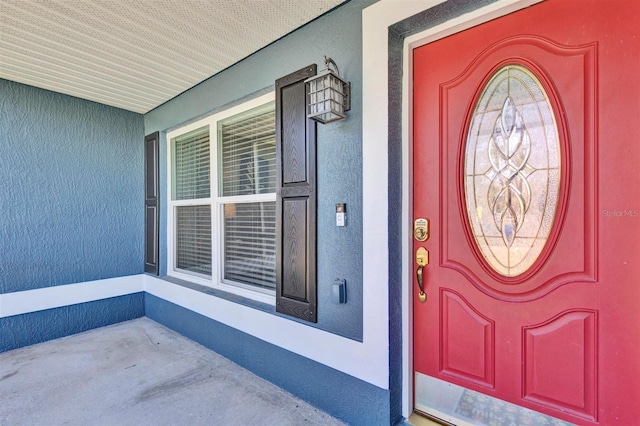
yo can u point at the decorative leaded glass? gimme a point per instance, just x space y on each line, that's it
512 170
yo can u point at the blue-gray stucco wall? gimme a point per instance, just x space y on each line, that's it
17 331
72 189
337 34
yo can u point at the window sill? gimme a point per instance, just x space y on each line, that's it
255 304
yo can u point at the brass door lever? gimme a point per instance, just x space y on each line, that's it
422 259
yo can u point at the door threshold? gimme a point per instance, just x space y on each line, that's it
421 419
465 407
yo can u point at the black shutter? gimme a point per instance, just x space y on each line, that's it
296 198
151 202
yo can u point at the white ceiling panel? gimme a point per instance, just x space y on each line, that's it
138 54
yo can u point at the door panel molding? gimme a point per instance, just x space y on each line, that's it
545 377
578 147
466 352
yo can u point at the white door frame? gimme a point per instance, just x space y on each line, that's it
376 20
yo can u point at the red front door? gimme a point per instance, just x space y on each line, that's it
527 166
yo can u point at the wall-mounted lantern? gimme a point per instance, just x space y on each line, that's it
329 95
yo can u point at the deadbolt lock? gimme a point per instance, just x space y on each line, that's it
421 229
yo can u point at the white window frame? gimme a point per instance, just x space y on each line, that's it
216 202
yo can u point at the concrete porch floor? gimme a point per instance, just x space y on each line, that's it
139 373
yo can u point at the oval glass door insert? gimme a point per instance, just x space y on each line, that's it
512 170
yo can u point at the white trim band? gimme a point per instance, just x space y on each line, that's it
24 302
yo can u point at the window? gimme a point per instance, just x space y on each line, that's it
191 164
222 200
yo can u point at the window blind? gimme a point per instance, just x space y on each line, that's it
191 165
193 239
247 144
246 162
249 243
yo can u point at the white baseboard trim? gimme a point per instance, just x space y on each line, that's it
24 302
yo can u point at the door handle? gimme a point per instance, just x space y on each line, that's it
422 296
422 259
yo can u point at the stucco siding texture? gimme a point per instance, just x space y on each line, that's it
18 331
337 34
72 196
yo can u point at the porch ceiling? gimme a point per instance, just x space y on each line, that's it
135 54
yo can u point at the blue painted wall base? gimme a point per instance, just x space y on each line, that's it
343 396
36 327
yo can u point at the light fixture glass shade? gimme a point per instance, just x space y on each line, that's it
328 95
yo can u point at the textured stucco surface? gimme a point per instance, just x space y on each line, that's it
27 329
339 147
341 395
72 189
